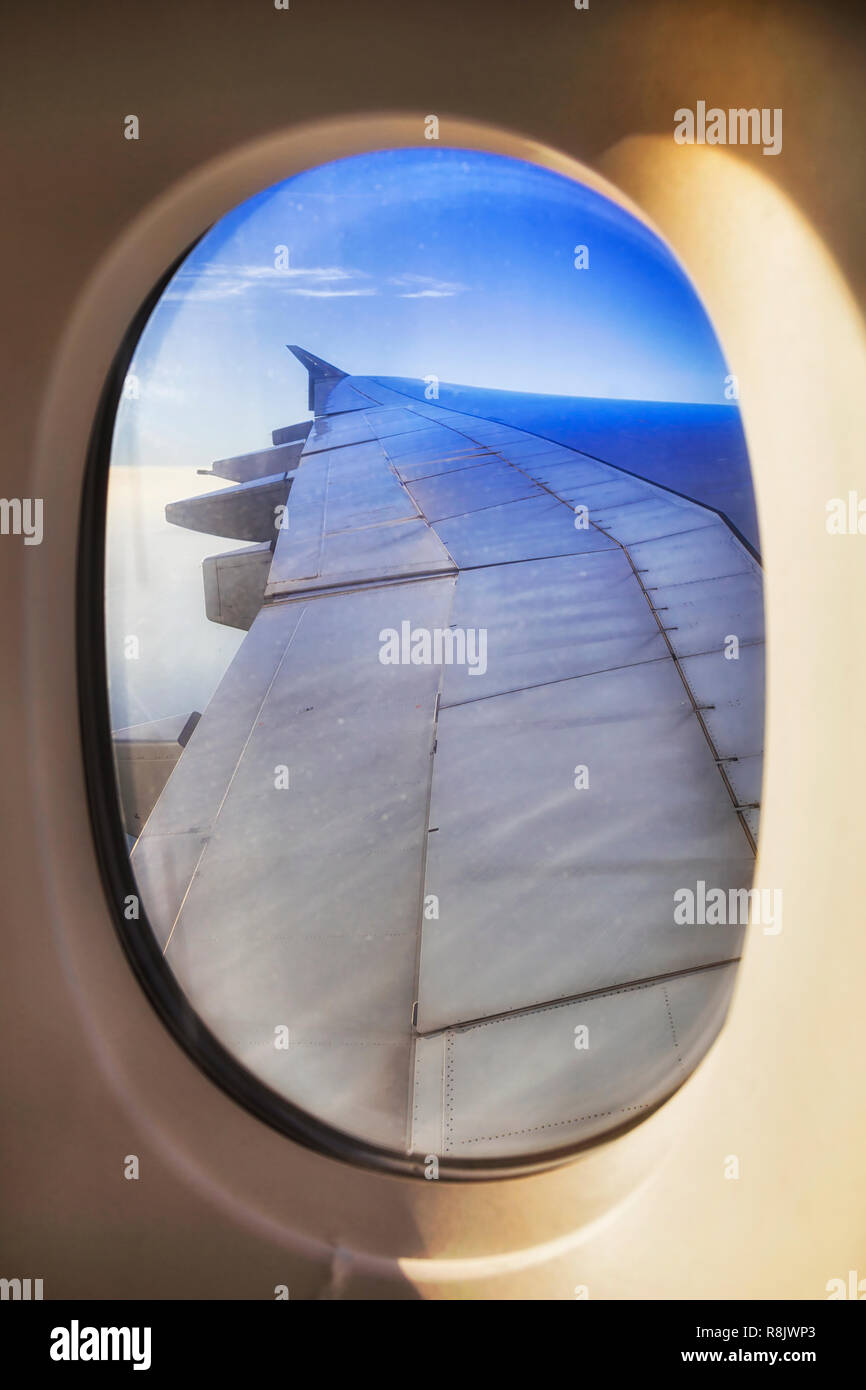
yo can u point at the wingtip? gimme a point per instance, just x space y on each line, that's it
318 368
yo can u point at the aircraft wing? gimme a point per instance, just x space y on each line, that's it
452 880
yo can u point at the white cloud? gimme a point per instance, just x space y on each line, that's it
427 294
331 294
425 287
216 282
220 282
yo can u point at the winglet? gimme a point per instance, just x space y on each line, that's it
319 371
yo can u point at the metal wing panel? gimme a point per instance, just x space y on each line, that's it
567 477
363 490
733 693
711 552
302 908
547 891
460 491
484 1091
337 431
390 420
550 620
351 521
166 853
702 613
526 530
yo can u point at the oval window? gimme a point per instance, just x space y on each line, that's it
433 636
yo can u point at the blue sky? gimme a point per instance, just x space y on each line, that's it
407 263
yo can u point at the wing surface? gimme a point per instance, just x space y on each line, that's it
446 864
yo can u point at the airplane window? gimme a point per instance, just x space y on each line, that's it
432 700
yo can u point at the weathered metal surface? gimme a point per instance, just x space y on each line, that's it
234 585
473 838
262 464
248 512
547 890
552 1077
302 908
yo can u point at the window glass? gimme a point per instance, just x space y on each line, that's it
434 642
